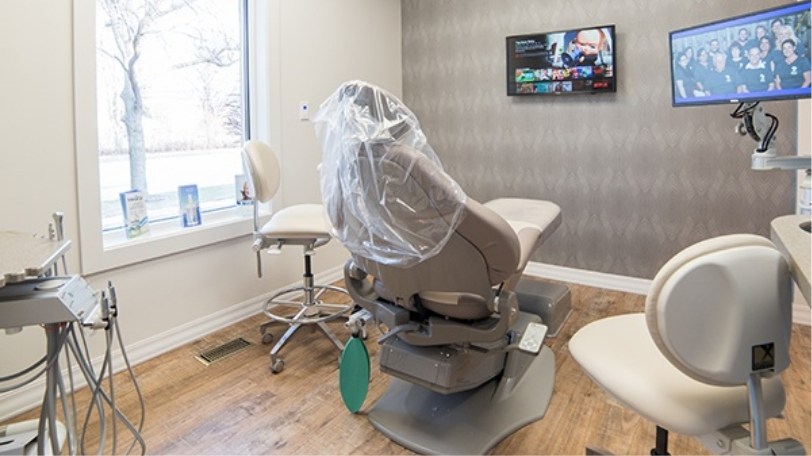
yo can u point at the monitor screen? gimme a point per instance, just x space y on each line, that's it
559 63
760 56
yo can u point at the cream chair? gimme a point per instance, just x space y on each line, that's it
706 355
303 225
437 270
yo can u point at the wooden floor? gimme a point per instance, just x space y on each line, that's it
237 406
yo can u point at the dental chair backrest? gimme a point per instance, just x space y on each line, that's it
404 220
482 251
721 310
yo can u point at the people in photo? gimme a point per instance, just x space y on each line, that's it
793 71
756 76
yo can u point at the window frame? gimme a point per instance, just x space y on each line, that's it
166 237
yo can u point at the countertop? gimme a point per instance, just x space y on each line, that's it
796 244
27 255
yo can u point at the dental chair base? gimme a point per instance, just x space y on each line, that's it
467 422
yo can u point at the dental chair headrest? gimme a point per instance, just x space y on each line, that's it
383 187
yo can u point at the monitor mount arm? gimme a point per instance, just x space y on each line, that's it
761 126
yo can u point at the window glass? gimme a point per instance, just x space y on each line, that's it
170 111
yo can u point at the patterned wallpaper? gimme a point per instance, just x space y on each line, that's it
636 179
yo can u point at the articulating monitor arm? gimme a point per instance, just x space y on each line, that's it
755 123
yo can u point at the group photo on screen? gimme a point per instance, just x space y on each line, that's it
562 62
762 55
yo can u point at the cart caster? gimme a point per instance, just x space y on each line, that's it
277 365
267 338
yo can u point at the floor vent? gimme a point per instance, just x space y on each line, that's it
222 351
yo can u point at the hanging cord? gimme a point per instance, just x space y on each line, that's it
45 360
72 419
768 137
100 397
142 407
745 112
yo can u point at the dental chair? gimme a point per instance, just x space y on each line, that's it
302 225
436 270
706 355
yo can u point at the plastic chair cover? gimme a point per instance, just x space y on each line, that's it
378 209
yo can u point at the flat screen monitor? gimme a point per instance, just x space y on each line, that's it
760 56
560 63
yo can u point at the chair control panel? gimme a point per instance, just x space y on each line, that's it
47 300
533 337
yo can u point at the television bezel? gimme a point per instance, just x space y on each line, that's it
510 76
700 101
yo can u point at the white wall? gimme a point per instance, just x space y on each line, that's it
315 45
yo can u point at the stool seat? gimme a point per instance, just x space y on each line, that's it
619 354
302 221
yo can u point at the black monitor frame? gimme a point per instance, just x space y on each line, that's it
611 81
736 22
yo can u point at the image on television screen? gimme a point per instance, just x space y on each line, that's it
564 62
760 56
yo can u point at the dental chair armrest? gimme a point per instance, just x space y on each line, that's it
362 291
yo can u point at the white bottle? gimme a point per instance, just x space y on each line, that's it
191 211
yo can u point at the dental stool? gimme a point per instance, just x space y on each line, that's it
436 270
706 355
303 225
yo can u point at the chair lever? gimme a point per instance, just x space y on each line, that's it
277 249
397 330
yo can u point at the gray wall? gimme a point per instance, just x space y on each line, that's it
636 179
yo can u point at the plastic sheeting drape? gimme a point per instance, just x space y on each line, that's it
385 201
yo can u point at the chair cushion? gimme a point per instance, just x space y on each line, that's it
620 356
728 288
533 221
302 221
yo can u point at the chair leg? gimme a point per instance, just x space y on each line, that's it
661 445
282 340
330 335
305 308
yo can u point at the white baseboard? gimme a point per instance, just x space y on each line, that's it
589 278
800 309
30 396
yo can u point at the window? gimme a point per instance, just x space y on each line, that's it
161 102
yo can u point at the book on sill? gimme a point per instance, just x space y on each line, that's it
189 202
134 209
242 190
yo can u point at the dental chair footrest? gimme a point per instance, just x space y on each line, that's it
470 422
550 301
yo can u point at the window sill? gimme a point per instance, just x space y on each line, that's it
165 238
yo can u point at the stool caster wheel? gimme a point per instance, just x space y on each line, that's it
267 338
277 365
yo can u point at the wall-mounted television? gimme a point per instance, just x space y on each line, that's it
565 62
760 56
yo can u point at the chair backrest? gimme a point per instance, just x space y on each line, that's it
721 310
481 251
262 168
404 219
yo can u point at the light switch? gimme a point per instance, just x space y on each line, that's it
304 110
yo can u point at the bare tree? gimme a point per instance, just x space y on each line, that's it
129 22
215 49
